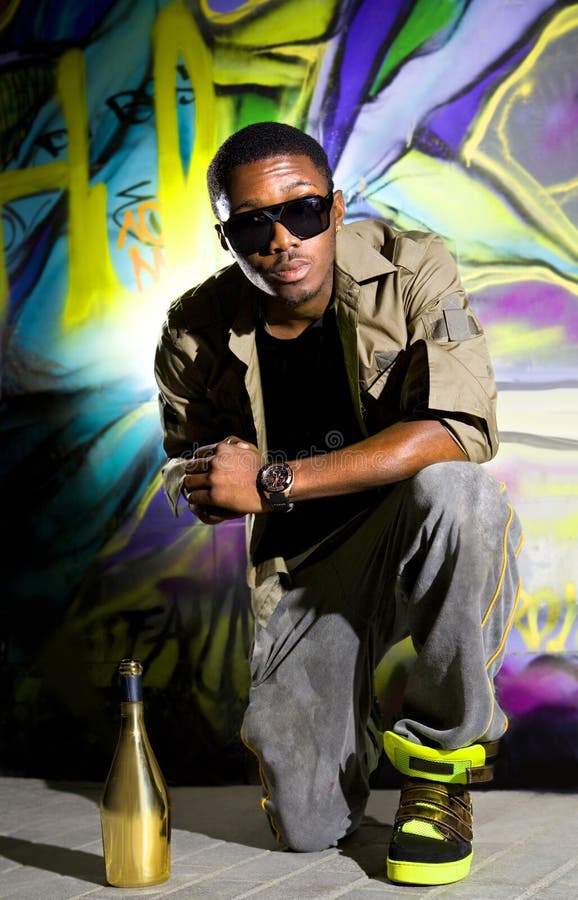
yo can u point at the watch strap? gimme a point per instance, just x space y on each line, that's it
279 502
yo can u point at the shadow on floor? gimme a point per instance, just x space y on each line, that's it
91 790
368 847
233 814
49 858
230 814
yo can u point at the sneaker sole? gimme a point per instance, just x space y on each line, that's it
428 873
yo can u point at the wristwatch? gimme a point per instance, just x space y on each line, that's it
274 483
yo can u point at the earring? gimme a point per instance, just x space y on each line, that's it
337 229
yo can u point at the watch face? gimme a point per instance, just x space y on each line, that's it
276 477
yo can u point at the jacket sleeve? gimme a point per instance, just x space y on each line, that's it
449 372
185 411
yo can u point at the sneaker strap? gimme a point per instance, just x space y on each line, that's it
467 765
435 804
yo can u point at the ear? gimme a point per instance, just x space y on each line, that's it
222 238
338 207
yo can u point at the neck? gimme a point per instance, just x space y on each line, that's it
283 321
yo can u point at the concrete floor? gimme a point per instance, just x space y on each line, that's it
526 846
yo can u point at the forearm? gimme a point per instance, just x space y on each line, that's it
394 454
224 475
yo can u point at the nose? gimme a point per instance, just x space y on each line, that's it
282 239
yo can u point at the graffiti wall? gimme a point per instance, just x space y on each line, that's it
457 116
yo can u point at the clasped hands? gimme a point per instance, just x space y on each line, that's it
221 481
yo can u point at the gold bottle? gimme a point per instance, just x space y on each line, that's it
134 809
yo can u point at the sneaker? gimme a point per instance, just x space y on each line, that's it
432 835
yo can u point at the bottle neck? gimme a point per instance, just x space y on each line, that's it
131 716
131 703
131 688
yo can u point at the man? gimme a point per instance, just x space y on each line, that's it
334 386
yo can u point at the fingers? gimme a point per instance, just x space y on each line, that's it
209 449
203 455
198 466
213 515
196 483
196 496
233 439
206 514
204 452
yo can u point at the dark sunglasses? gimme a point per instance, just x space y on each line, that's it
305 218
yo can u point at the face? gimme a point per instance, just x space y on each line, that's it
292 270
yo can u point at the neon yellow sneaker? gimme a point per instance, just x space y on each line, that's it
432 834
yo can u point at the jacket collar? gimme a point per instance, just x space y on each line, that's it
358 258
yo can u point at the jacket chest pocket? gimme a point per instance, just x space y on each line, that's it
375 378
380 397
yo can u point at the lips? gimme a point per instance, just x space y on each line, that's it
290 271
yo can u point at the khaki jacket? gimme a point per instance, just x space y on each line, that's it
412 346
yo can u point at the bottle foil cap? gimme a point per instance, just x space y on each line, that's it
130 667
130 671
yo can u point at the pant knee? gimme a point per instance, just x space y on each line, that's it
304 832
311 800
311 826
310 813
451 483
464 495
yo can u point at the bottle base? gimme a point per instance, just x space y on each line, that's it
138 884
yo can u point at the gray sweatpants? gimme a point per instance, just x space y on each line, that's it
434 559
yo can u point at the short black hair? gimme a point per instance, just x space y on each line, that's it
262 140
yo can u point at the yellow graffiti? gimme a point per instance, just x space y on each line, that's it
518 340
553 523
183 194
564 187
299 22
489 276
492 125
545 619
451 190
539 489
92 281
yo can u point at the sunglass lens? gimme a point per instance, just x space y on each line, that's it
306 218
248 233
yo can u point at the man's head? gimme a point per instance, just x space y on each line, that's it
255 143
272 190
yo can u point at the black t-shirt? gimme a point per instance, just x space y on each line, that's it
308 411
